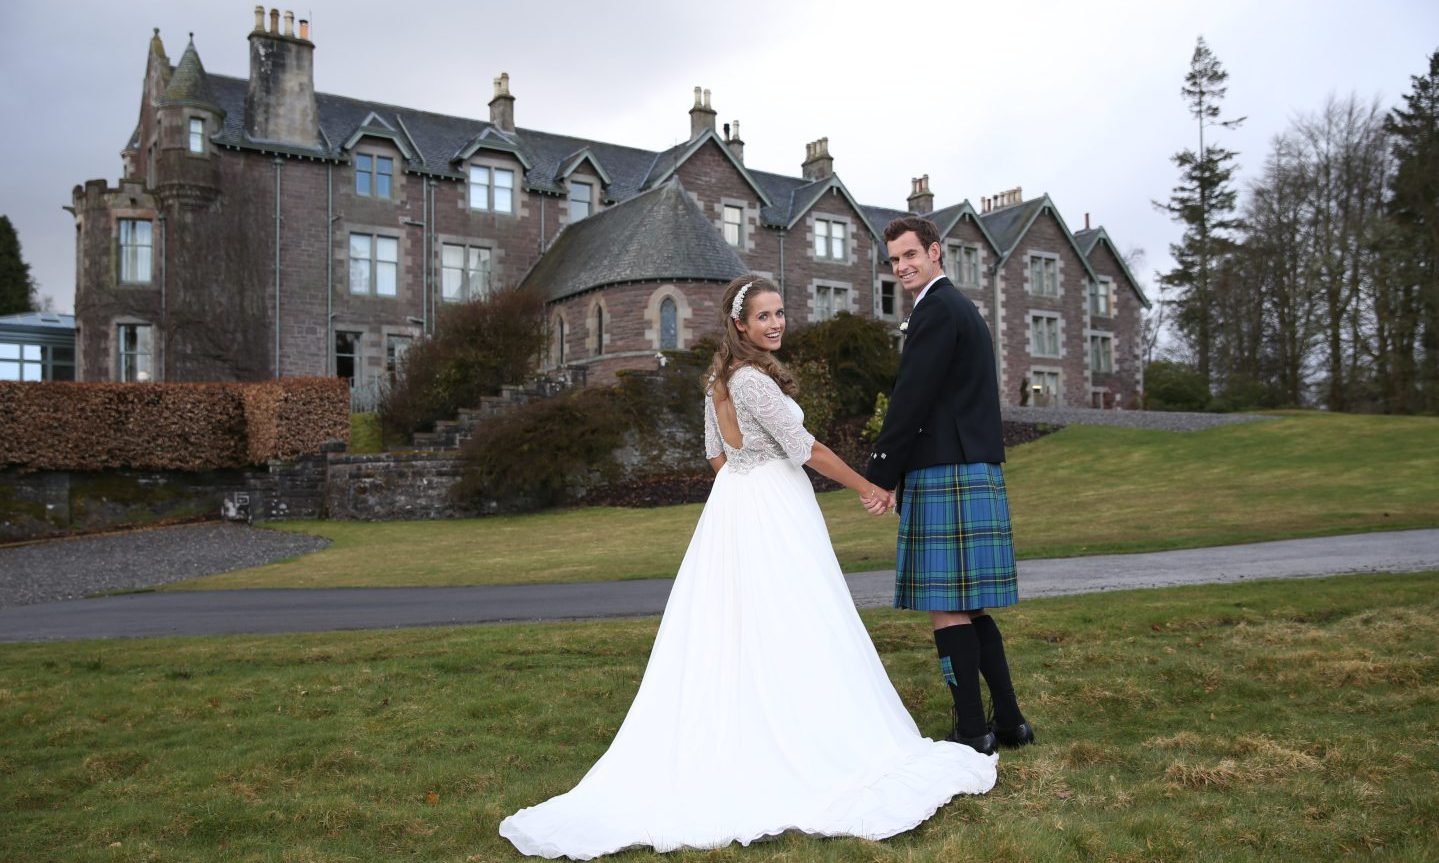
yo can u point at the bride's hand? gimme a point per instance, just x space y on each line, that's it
875 500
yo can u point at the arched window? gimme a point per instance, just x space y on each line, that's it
669 325
559 351
599 330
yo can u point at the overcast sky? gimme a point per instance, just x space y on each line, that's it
1080 100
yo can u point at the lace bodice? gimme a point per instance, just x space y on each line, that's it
770 422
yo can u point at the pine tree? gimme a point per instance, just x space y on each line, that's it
1204 203
17 288
1414 207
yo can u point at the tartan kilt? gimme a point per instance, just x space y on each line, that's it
955 550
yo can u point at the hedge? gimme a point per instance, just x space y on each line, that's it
167 426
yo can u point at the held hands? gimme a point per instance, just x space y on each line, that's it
877 501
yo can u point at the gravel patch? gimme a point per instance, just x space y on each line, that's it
1179 421
74 568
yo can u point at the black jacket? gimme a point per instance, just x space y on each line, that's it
945 405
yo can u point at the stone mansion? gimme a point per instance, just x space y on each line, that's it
263 229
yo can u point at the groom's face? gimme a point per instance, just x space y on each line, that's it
913 264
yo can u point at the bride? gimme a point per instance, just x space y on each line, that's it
764 707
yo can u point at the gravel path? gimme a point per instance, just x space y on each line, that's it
1179 421
73 568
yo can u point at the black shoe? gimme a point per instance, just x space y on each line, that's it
983 744
1020 735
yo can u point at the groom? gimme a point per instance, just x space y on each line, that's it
942 446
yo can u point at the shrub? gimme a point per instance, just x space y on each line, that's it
167 426
477 348
860 357
817 396
1171 386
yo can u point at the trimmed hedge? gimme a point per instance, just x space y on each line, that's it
167 426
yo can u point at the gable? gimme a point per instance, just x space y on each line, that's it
1106 260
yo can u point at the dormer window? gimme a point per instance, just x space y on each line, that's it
197 135
581 198
492 189
373 175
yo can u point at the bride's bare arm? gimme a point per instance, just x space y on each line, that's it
823 459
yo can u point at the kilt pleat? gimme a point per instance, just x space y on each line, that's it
955 549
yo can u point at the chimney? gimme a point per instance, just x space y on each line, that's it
921 199
280 98
502 107
304 29
734 142
818 163
290 24
702 116
1086 221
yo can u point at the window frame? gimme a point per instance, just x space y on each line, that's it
492 188
124 262
827 238
1049 273
1096 340
21 362
123 371
375 265
356 357
1046 374
1101 289
195 139
832 292
893 295
737 224
588 202
673 325
1050 319
469 255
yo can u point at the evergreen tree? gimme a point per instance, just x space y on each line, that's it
1204 203
17 288
1414 207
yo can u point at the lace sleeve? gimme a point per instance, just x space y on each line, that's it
756 393
713 447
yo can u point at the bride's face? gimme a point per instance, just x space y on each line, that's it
763 325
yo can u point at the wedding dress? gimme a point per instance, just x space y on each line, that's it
764 707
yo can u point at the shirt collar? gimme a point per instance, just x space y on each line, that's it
926 288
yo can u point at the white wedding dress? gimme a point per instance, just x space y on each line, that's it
764 707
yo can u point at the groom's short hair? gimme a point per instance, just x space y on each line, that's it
924 230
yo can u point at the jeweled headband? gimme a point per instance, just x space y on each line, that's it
738 304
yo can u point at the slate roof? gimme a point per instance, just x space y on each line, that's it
1008 224
50 320
1090 238
433 143
657 236
188 82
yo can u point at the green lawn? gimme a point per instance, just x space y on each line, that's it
1083 490
1269 721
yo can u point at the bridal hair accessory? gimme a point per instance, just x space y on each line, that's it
739 300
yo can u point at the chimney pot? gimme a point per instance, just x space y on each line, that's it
726 133
707 98
290 24
259 19
736 130
304 29
1086 221
275 21
697 98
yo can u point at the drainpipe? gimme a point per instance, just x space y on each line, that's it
425 253
162 367
998 332
329 268
430 260
278 163
782 298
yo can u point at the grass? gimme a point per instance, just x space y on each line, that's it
1267 721
365 434
1083 490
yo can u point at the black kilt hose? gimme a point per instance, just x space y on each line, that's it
942 441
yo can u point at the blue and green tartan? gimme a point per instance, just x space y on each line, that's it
956 551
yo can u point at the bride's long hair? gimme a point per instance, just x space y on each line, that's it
734 349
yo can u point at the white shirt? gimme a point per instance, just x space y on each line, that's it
925 291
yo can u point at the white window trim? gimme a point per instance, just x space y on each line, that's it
1035 371
120 247
830 256
1090 336
489 205
117 355
373 288
850 303
467 289
743 239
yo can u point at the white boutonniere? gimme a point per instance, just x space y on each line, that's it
904 325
